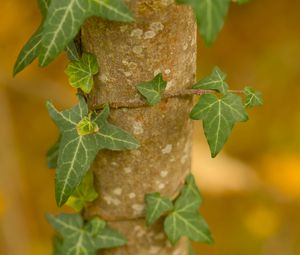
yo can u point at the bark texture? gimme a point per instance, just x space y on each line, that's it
162 39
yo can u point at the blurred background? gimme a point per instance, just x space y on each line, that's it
251 191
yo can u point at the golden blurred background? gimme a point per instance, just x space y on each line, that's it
251 191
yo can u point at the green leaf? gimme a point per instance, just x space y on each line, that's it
253 98
156 206
152 90
210 15
109 238
215 81
219 116
83 194
77 150
65 18
72 51
185 220
111 137
52 154
29 52
43 6
185 223
190 198
31 49
83 239
57 245
81 72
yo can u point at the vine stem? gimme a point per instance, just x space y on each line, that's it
136 103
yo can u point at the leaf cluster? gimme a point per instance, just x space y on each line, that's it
220 113
83 134
76 237
182 216
61 22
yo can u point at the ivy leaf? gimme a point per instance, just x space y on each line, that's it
57 245
109 238
210 15
185 223
52 154
29 52
43 6
152 90
215 81
156 206
219 116
253 98
65 18
31 49
185 219
81 72
83 239
190 197
111 137
83 194
82 137
72 51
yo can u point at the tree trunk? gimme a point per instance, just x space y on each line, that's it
162 39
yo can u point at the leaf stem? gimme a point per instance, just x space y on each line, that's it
136 103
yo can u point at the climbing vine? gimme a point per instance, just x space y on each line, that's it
84 131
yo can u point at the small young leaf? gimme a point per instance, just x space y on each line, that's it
65 18
52 154
253 98
83 194
81 72
77 150
210 16
79 238
185 219
219 116
156 206
215 81
152 90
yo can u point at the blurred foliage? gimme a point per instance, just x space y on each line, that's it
259 47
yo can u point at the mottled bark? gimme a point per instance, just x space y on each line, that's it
163 39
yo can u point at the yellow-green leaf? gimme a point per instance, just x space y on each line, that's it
81 72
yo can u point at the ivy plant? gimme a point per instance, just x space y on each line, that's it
181 217
77 237
83 135
218 107
84 132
